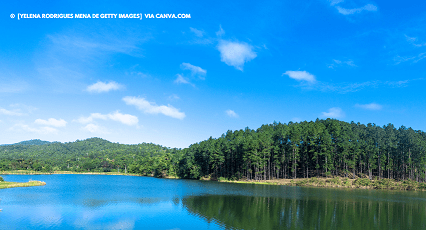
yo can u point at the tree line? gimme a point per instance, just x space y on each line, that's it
320 148
90 155
310 149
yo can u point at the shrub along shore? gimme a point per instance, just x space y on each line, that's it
331 182
340 182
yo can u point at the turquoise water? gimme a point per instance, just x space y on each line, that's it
124 202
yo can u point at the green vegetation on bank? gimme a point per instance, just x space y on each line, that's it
321 148
317 149
91 155
364 183
5 184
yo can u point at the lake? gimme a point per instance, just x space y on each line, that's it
126 202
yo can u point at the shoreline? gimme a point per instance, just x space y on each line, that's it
7 184
331 182
344 183
25 172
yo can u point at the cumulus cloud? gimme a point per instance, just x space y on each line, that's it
195 70
101 87
151 108
51 122
301 76
231 113
95 129
198 33
126 119
10 113
368 7
41 130
235 53
371 106
91 118
334 112
91 128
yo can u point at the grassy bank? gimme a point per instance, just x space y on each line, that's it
361 183
337 182
6 184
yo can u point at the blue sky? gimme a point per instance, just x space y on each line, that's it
231 65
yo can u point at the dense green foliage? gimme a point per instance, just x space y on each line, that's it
318 148
94 155
31 142
306 149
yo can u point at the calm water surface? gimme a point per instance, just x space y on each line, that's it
124 202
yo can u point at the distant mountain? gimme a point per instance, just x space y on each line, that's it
34 142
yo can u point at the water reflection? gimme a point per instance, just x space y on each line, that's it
120 202
96 203
247 212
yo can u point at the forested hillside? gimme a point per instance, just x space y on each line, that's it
94 154
318 148
307 149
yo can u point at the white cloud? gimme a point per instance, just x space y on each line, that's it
195 70
95 129
350 63
301 76
182 80
91 118
371 106
51 122
414 41
348 87
26 128
198 33
334 2
231 113
174 97
10 113
398 59
235 53
152 108
368 7
100 87
140 74
91 128
220 32
126 119
340 63
334 112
